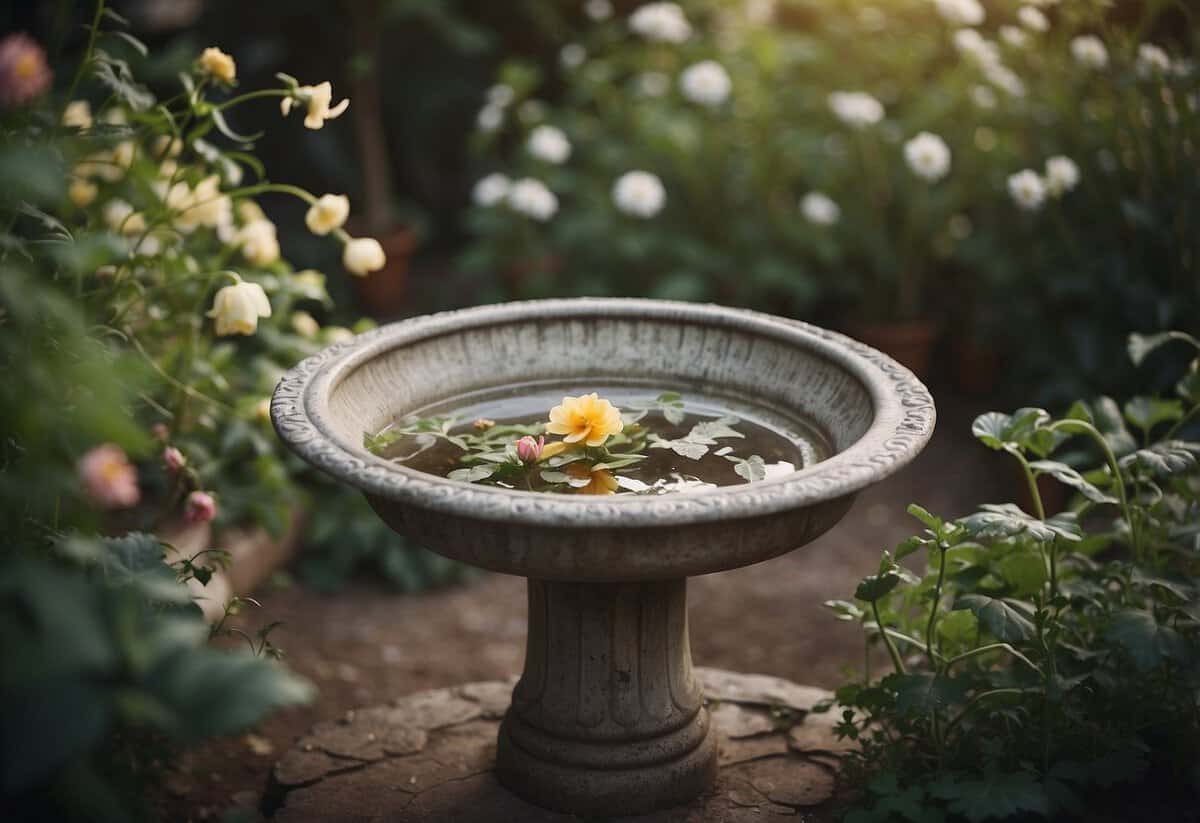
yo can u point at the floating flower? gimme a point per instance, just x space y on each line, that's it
600 481
24 74
491 189
706 83
173 459
78 115
259 242
928 156
317 98
1062 175
108 477
363 255
328 213
554 449
960 12
856 109
1027 189
200 507
531 198
598 9
236 308
639 193
572 55
1032 19
218 65
548 143
1152 60
1089 51
82 192
529 450
588 419
664 22
820 209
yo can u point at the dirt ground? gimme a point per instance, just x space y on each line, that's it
365 646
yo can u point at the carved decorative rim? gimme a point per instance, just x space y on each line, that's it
904 417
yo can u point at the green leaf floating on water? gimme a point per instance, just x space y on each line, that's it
472 474
753 469
695 444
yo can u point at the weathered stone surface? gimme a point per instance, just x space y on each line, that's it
450 777
816 734
758 689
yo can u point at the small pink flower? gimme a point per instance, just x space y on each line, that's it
24 74
173 459
108 477
529 450
199 508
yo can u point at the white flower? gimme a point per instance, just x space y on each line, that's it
664 22
856 108
500 95
653 83
572 55
983 97
1027 189
328 213
363 255
490 118
548 143
1089 51
202 206
1032 19
598 9
1005 79
218 65
960 12
971 43
78 115
1152 60
259 242
639 193
706 83
1062 175
305 325
237 308
928 156
819 209
1015 37
491 189
531 198
120 217
317 98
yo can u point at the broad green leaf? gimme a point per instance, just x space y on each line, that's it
994 796
1025 571
1148 643
1148 412
875 586
1008 520
999 616
1165 458
1002 431
926 693
473 474
1141 345
932 522
1188 387
911 544
958 627
844 609
1070 477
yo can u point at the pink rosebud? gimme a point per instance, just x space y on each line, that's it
529 450
108 477
173 459
24 73
199 508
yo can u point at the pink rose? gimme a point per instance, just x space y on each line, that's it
108 477
200 507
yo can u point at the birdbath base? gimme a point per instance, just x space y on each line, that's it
431 757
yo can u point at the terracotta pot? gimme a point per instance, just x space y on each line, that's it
382 293
976 368
909 343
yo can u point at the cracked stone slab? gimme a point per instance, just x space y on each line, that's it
429 757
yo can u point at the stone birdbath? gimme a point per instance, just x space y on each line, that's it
608 716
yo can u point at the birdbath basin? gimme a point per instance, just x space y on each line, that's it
607 717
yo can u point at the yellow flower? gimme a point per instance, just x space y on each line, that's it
78 115
121 218
363 255
601 481
259 242
586 418
237 308
551 449
317 98
305 325
82 192
328 213
218 64
202 206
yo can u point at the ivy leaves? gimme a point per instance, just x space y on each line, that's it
696 443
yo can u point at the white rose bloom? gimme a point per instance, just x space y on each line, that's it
598 9
259 242
928 156
653 83
856 108
572 55
1062 175
984 97
531 198
363 255
328 213
1027 189
1152 60
548 143
639 193
237 308
960 12
664 22
491 189
818 208
706 83
500 95
1089 51
490 118
1015 37
1032 19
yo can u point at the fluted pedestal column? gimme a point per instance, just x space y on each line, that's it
607 717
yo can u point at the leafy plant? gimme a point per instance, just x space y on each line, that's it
1042 661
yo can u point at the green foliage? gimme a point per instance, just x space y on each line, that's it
1044 662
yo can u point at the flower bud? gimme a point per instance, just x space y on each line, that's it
529 450
200 507
363 255
173 459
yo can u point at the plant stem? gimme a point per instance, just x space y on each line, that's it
887 641
93 33
934 604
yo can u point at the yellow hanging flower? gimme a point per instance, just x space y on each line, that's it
363 255
218 65
601 481
78 115
237 308
317 98
328 213
587 419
